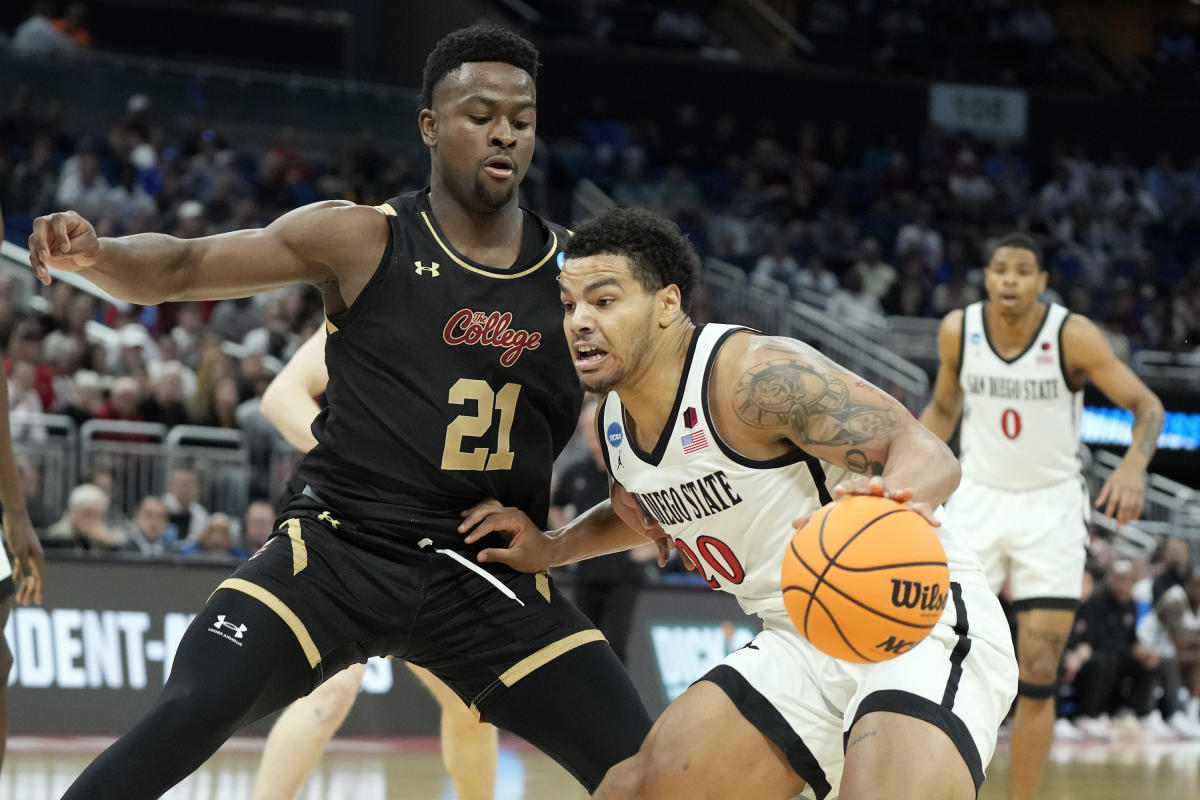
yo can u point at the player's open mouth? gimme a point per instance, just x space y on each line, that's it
499 167
1008 299
587 356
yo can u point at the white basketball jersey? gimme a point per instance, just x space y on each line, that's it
729 514
1020 427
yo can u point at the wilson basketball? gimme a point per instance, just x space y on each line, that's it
865 579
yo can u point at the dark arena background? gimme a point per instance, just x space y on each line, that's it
840 165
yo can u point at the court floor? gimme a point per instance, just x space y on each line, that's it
40 768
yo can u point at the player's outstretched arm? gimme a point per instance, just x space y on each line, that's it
288 400
942 413
29 563
786 390
322 243
599 531
1087 351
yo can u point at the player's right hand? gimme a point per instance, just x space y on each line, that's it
63 240
529 548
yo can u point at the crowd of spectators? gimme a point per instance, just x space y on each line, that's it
868 227
173 524
1132 663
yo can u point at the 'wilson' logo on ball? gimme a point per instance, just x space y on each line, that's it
910 594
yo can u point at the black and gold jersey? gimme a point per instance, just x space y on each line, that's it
449 382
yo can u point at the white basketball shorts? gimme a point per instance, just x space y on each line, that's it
1035 538
962 678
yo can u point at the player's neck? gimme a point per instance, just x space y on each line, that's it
1014 329
649 395
492 238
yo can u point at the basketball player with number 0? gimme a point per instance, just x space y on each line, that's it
1013 368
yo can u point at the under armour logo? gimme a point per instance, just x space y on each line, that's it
238 630
421 269
328 519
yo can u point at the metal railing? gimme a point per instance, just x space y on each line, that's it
1163 370
133 455
768 307
54 458
220 458
1170 508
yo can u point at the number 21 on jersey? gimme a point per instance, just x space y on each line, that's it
487 402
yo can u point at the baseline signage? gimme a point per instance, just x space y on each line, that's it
95 655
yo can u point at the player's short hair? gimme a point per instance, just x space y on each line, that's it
658 252
476 43
1021 241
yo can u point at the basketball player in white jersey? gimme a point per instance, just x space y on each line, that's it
299 736
1013 368
724 437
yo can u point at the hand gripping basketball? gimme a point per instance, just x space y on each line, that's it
865 579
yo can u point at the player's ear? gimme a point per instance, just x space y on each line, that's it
670 304
427 122
1043 279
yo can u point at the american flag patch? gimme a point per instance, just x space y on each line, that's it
696 440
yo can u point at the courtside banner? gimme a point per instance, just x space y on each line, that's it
92 658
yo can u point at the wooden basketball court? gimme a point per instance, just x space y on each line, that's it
411 769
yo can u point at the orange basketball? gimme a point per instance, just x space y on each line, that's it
865 579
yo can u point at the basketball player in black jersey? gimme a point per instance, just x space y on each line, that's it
449 382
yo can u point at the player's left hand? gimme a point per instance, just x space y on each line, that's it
1123 494
529 548
29 562
875 487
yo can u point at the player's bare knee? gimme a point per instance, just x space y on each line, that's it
1039 663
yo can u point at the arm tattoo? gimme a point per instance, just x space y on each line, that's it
860 462
1148 442
814 405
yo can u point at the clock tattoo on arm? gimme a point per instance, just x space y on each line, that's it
816 407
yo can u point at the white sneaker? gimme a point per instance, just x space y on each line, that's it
1183 726
1095 728
1155 729
1065 731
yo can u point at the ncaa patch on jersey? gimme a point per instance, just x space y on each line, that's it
975 337
561 258
615 435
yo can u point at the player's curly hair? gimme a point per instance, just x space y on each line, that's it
476 43
658 252
1021 241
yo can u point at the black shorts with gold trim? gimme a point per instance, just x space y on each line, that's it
346 603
